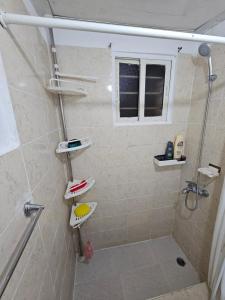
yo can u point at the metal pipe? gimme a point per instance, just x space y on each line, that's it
15 256
8 18
60 99
81 252
63 121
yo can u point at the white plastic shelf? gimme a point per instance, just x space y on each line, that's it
78 221
209 172
63 146
67 91
77 77
171 162
68 194
66 88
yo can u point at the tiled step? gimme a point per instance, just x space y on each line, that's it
195 292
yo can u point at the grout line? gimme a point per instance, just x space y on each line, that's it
24 269
54 237
26 172
188 288
43 279
40 182
39 137
132 243
45 250
29 93
44 176
18 210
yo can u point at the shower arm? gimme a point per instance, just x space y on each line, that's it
210 66
56 22
212 77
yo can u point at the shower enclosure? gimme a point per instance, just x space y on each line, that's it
149 237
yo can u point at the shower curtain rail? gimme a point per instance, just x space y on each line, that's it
8 271
54 22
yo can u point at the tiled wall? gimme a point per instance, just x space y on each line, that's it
193 230
33 172
135 199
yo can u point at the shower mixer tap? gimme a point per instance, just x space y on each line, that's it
194 188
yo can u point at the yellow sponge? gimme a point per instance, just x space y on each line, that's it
82 210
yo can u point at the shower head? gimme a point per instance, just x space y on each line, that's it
204 50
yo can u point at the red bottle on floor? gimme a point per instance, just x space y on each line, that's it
88 251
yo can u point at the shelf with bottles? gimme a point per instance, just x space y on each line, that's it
160 161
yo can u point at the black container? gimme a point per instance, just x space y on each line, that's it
74 143
169 151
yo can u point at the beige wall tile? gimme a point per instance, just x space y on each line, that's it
33 273
33 171
30 112
37 159
14 187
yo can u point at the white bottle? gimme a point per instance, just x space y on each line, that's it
178 147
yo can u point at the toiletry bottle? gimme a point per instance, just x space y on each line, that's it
169 151
178 147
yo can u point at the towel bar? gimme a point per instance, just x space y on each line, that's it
7 273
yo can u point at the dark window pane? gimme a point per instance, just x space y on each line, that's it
128 113
129 100
149 112
128 89
154 85
153 101
129 69
154 90
129 84
155 70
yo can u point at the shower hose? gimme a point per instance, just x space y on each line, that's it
203 132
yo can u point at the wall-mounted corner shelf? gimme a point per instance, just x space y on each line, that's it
66 91
78 221
63 146
65 88
165 163
78 187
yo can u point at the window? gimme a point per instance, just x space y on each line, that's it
142 88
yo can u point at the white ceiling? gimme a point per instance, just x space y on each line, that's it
185 15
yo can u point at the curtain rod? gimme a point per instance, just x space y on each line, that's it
51 22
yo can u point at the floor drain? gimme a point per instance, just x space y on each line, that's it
181 262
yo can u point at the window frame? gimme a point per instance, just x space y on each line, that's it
144 59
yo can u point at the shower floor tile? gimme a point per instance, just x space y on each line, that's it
136 271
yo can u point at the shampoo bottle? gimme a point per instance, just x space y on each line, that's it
169 151
179 147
